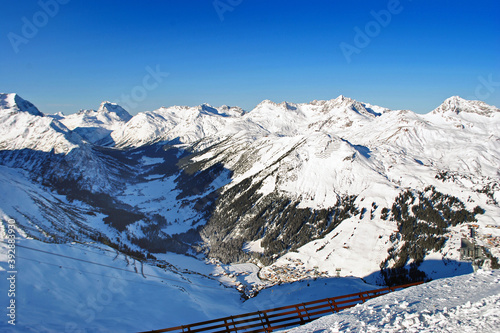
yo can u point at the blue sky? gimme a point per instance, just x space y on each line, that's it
240 52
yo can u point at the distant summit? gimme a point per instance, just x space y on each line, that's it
458 105
107 113
17 103
113 109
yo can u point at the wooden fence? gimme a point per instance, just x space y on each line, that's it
283 317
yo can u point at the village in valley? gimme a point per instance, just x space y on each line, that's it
250 278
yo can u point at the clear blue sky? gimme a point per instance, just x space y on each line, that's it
240 52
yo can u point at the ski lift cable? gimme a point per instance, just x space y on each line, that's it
86 272
112 267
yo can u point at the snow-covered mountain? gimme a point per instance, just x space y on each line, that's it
458 105
52 153
97 126
180 124
297 190
28 128
14 103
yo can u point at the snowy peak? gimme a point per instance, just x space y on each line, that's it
15 103
224 110
344 100
349 104
114 111
458 105
233 111
283 105
266 102
108 113
319 115
27 130
179 123
207 109
339 101
97 126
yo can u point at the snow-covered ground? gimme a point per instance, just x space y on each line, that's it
467 303
78 287
92 288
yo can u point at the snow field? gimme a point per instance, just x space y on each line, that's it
467 303
92 288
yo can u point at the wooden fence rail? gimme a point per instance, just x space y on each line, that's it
283 317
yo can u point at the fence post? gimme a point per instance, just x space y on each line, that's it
227 325
234 325
299 313
333 305
307 313
265 321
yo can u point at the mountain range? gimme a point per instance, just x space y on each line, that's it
327 186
